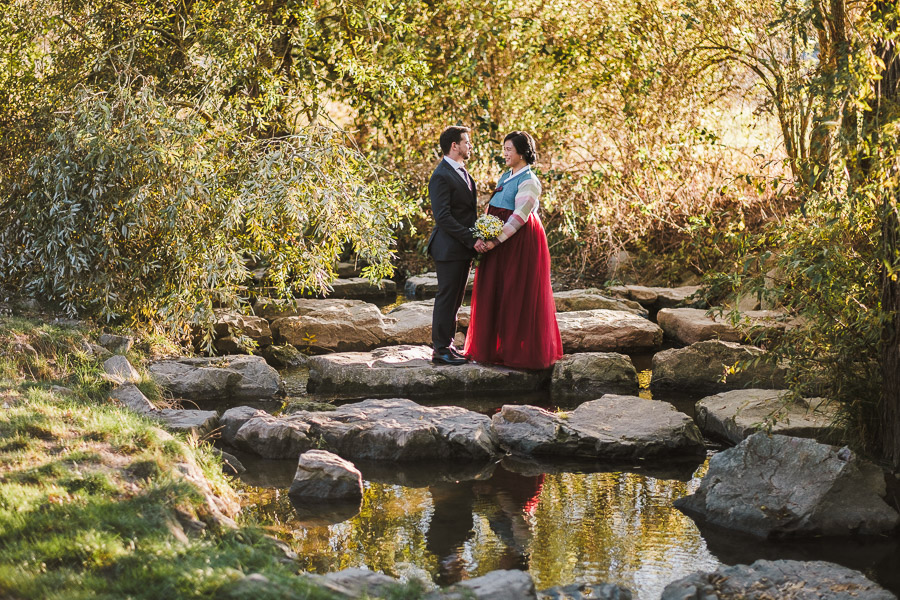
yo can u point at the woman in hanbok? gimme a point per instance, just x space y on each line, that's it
513 320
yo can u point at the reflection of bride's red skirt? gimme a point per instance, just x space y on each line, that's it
513 320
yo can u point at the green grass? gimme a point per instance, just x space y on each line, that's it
91 502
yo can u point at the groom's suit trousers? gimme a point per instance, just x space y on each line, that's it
452 277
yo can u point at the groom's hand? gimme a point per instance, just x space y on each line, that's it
480 246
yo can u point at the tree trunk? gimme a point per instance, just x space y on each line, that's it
887 111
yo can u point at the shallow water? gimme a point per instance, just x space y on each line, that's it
563 523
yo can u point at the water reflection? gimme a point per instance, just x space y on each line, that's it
563 527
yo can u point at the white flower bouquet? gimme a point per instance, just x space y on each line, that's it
487 227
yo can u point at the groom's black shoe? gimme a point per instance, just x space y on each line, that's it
458 354
444 356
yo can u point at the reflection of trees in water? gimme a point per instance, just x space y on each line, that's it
564 528
616 527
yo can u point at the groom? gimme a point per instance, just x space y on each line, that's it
453 203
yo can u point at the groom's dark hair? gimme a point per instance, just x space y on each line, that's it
451 134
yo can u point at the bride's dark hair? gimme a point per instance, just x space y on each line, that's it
524 145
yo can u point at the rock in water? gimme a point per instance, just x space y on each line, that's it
612 428
709 366
781 486
322 475
592 374
734 415
781 579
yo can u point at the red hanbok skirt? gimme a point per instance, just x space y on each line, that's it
513 321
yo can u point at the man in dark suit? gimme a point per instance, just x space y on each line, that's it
453 203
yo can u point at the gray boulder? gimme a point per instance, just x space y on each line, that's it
120 370
734 415
691 325
781 486
275 437
602 330
496 585
238 377
408 370
131 396
782 579
395 430
234 418
322 475
357 583
197 423
709 366
117 344
592 374
611 428
283 357
333 326
592 298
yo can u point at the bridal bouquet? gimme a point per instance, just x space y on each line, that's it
487 227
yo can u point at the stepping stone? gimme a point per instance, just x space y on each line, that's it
656 297
734 415
775 486
410 323
198 423
332 326
322 475
611 428
592 374
131 396
408 370
691 325
704 366
602 330
391 430
592 298
764 580
238 377
426 285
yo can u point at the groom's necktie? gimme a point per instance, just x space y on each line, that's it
467 179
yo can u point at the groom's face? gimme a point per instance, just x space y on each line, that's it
463 146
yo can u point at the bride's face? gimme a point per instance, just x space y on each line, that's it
513 159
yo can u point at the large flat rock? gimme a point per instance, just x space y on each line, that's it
691 325
390 429
237 377
775 486
410 323
734 415
710 366
592 374
333 326
408 370
610 428
785 579
362 288
602 330
592 298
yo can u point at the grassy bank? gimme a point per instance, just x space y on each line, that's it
94 500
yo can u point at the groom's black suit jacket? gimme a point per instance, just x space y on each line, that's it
454 208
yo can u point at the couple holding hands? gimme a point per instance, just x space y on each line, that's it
513 321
